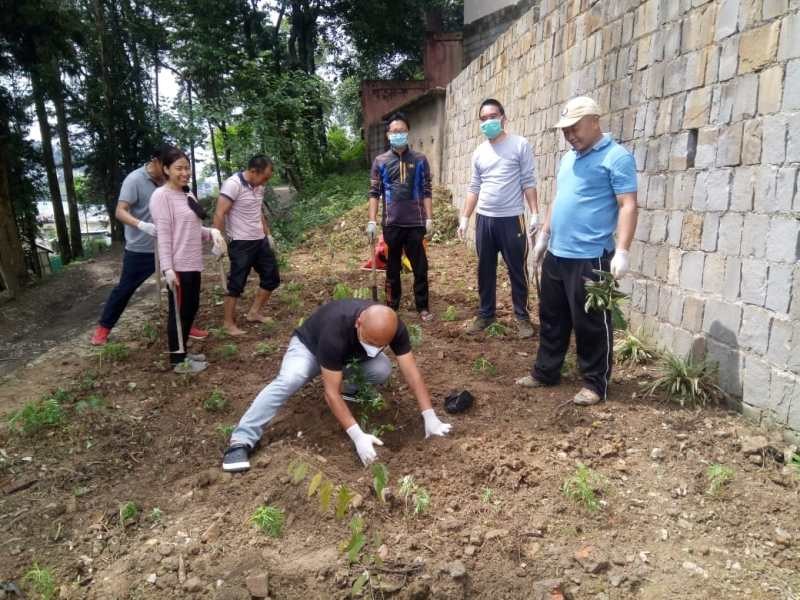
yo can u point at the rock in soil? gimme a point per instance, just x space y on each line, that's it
258 585
419 590
456 569
193 584
549 589
590 558
754 444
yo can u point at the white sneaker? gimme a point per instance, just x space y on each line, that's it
190 367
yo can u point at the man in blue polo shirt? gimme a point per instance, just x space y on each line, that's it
595 195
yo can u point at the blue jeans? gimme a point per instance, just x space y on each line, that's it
299 366
137 267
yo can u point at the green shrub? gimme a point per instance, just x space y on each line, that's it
583 487
215 402
635 349
450 314
37 415
687 381
718 477
113 352
42 582
269 519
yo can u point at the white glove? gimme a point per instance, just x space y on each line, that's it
533 224
172 279
220 246
364 442
428 225
433 426
463 223
146 227
541 246
620 264
372 227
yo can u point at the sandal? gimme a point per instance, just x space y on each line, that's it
425 316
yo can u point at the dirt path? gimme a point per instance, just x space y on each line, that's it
498 525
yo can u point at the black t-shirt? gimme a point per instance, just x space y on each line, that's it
330 334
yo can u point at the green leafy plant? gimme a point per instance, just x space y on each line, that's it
353 546
325 495
149 332
359 583
362 293
293 287
37 415
687 381
225 430
583 487
42 581
297 471
264 348
496 329
482 366
269 520
218 332
414 334
90 404
450 314
603 295
635 348
487 495
718 477
569 365
414 496
228 350
380 479
369 401
341 291
87 382
113 352
155 515
215 402
128 513
794 463
344 496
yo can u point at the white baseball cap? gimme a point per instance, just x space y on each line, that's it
575 110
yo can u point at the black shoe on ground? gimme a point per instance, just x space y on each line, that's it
236 458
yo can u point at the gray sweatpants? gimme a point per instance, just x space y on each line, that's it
299 366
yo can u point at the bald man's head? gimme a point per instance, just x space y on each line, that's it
377 325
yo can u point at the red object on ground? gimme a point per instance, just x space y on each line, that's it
380 258
100 336
197 334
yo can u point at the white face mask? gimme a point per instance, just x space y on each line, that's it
372 351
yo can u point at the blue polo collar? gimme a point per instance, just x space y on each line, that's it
601 143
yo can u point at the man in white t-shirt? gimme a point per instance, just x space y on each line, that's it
251 246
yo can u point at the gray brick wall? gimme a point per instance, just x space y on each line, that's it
706 94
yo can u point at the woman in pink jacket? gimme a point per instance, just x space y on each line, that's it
178 218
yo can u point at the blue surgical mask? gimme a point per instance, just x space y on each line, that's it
491 128
398 140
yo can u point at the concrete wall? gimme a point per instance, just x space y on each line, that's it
380 96
485 21
706 94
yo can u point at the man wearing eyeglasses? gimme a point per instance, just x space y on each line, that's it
503 181
335 336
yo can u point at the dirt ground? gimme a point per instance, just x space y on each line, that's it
498 525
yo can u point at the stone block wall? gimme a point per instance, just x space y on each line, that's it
706 95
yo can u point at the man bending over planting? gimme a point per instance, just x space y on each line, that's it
336 334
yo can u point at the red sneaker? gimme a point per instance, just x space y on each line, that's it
198 334
100 336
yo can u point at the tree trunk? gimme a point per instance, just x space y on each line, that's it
214 153
226 149
50 167
157 103
66 165
12 256
191 137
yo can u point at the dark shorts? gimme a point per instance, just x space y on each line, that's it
252 254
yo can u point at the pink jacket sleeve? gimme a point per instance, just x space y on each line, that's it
162 218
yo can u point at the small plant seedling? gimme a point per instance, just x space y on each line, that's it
155 515
293 287
414 494
358 584
297 471
269 519
718 477
582 487
635 348
228 350
264 348
343 498
225 430
569 365
37 415
687 381
90 404
87 382
422 501
149 332
215 402
42 581
450 314
218 332
414 334
128 512
795 463
341 291
603 295
484 367
300 321
325 495
353 546
362 293
380 478
487 495
496 329
113 352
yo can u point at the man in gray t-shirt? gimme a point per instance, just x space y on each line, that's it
503 180
138 263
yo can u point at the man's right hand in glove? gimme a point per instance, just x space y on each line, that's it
542 239
463 224
364 444
372 228
146 227
172 279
